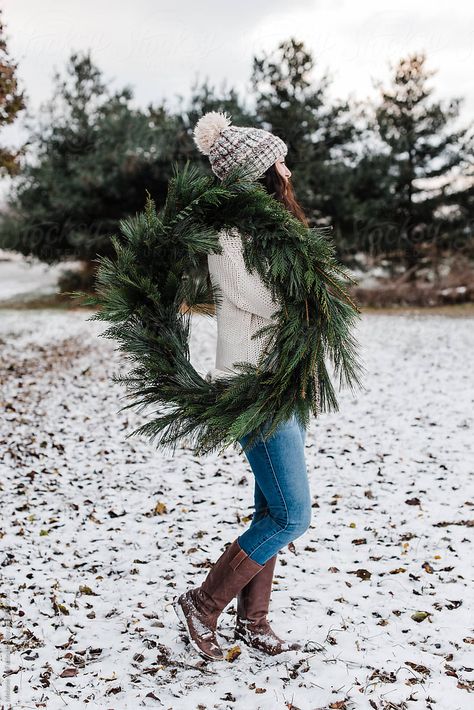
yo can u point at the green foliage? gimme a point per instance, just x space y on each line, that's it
148 290
386 176
421 153
95 157
321 134
12 101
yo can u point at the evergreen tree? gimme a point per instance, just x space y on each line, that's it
12 101
422 150
321 135
94 159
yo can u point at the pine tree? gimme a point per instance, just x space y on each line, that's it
93 157
320 134
12 101
423 151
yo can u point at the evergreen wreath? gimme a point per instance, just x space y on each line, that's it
158 277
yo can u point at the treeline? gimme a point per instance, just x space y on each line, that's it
393 176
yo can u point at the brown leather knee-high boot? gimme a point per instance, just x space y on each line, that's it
251 624
199 608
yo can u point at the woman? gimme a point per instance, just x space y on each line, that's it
282 495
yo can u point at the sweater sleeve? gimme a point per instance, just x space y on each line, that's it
245 289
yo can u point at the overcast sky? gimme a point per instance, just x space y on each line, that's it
161 47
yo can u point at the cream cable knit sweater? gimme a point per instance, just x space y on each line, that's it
246 305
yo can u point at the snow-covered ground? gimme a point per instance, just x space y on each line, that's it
19 278
99 532
23 279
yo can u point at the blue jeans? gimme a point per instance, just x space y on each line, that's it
282 494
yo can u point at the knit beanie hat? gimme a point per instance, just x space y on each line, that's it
228 146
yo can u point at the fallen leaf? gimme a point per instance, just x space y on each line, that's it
233 653
420 615
160 509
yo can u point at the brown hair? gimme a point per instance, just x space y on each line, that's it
276 185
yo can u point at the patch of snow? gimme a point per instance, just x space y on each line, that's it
21 279
91 563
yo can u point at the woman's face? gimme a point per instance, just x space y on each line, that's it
282 168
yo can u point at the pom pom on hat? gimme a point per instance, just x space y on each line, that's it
228 146
208 129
